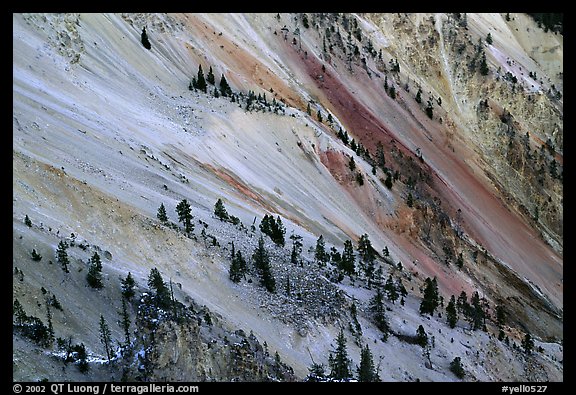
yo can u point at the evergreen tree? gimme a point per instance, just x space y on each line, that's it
62 255
410 200
484 70
340 362
144 39
161 214
456 368
184 212
476 315
158 286
460 261
50 339
379 313
105 337
27 221
262 264
308 109
279 232
125 323
220 211
489 39
200 80
238 266
527 343
296 248
319 116
365 249
351 163
388 182
210 77
380 157
500 316
421 336
82 357
451 313
429 109
348 260
35 256
128 286
19 313
391 291
317 373
225 89
419 96
94 276
320 252
431 298
367 371
355 324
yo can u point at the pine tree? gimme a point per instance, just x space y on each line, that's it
50 339
128 286
319 116
500 316
379 314
348 260
489 39
278 232
429 109
105 337
161 214
340 362
158 286
82 357
421 336
484 70
460 261
225 89
125 323
355 324
451 313
352 164
317 373
262 264
431 299
419 96
238 266
391 291
94 276
296 248
367 371
308 109
320 252
456 368
527 343
27 221
184 212
220 211
35 256
476 315
62 255
144 39
19 313
410 200
200 80
210 77
388 182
